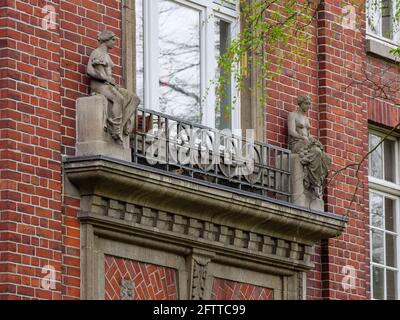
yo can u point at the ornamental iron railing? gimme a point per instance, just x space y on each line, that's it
218 158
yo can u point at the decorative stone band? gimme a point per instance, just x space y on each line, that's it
138 204
192 230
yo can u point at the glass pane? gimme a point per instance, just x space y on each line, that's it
375 158
377 247
391 284
390 214
378 282
179 61
387 25
223 108
390 250
139 51
376 207
373 16
390 162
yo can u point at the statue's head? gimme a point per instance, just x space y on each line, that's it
304 103
107 37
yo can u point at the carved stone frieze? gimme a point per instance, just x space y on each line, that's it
191 228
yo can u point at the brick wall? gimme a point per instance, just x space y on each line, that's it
30 157
42 73
292 76
80 23
344 132
339 117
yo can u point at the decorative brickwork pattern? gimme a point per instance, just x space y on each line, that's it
231 290
151 282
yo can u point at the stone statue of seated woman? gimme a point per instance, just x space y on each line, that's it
309 152
122 103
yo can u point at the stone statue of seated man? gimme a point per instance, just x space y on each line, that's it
309 151
122 103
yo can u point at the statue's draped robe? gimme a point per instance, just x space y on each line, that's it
314 160
123 103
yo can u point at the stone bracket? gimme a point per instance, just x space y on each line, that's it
198 262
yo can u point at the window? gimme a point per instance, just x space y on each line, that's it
178 43
384 216
381 21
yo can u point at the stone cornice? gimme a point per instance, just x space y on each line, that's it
145 186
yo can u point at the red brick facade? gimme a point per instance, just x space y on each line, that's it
343 105
30 151
42 73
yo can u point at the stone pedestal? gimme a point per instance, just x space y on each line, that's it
92 139
300 196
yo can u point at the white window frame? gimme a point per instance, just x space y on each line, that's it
377 19
209 9
389 190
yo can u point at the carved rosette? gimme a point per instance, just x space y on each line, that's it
127 289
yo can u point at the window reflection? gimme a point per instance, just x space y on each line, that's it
378 250
376 165
378 280
390 168
387 19
376 207
390 250
179 61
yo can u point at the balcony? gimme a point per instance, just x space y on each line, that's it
219 159
178 166
189 190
